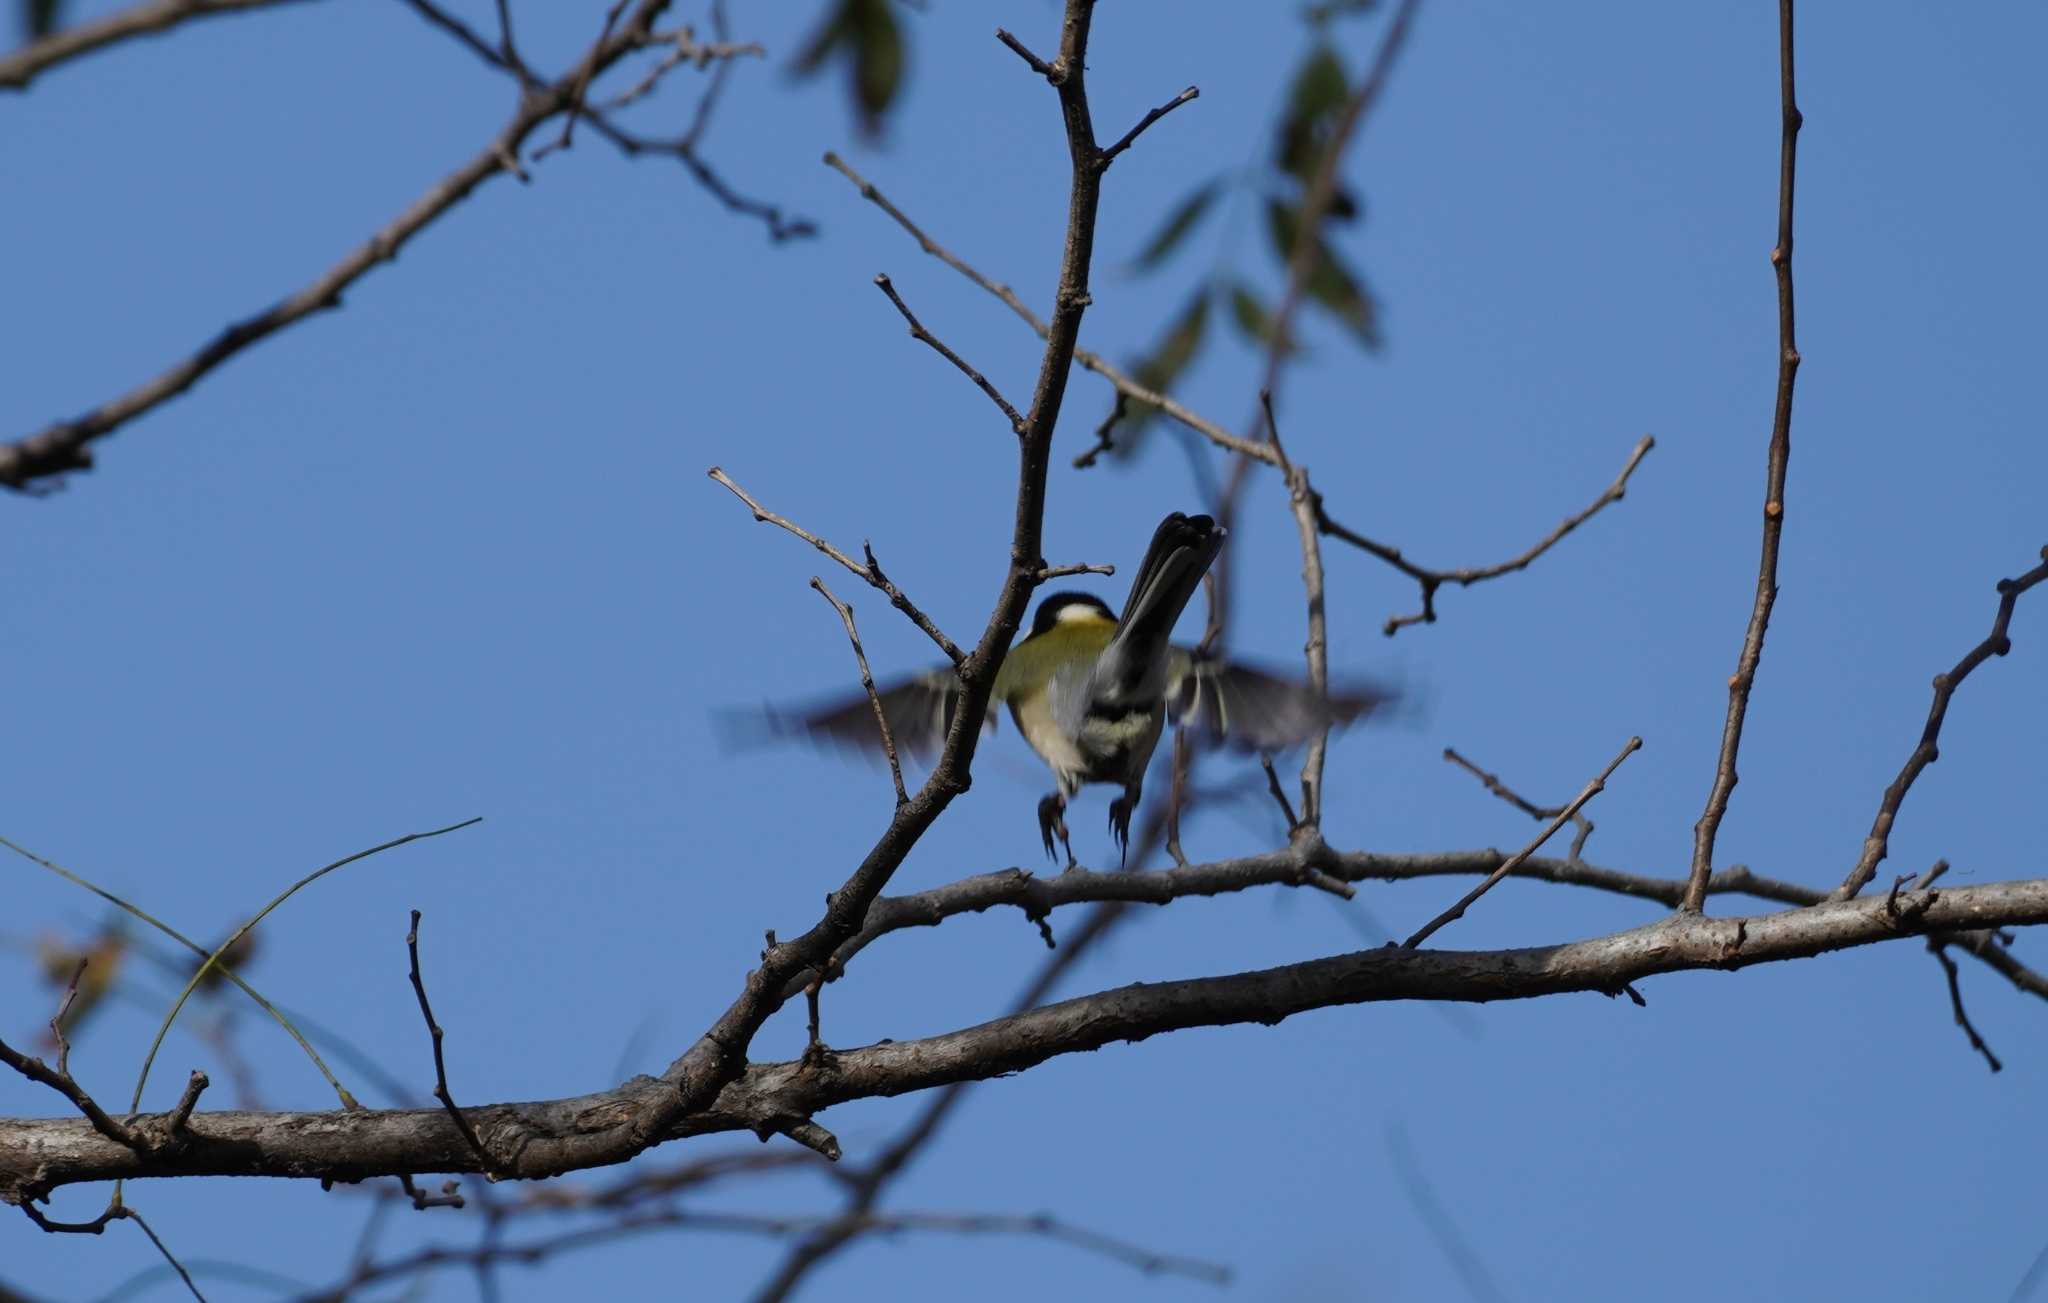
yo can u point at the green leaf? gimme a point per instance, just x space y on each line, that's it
1329 282
1319 91
867 33
1339 289
1178 223
1319 14
1163 367
1254 322
877 59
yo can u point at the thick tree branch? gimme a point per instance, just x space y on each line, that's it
1744 678
37 1155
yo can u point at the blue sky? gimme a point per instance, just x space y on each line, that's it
451 552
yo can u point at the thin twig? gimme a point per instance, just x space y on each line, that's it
1430 580
19 67
60 1079
1301 500
1108 155
1103 432
1125 386
1038 65
1744 678
581 90
1493 784
1061 572
917 331
1514 861
1996 643
65 445
441 1091
129 1214
1936 947
871 572
686 51
867 681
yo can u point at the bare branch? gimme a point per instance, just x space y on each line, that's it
719 1057
871 572
1038 65
1744 678
19 67
1061 572
1996 643
1108 155
129 1214
1955 999
1430 580
1301 499
1592 789
867 681
917 331
1537 812
549 1137
441 1091
1103 441
1125 386
60 1079
65 445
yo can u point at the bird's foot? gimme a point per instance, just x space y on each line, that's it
1052 823
1120 824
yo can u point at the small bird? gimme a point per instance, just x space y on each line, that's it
1091 692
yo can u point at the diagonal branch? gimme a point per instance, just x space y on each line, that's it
1878 844
867 681
1592 789
981 382
1125 386
871 572
1744 678
19 67
65 446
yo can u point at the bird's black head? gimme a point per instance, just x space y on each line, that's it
1069 606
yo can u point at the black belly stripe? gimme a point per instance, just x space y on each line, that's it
1120 714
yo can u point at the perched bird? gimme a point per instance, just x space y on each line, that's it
1092 692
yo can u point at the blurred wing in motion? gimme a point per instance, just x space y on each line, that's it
1252 710
919 711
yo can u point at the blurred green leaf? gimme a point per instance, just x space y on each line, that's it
865 31
1178 223
1318 14
1319 91
1329 282
39 18
1159 371
1253 320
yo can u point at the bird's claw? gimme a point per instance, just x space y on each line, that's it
1052 823
1120 826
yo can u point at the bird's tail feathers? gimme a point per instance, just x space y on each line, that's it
1181 552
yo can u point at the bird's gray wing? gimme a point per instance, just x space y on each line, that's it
919 710
1221 702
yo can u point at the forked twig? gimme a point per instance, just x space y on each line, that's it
1514 861
867 681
